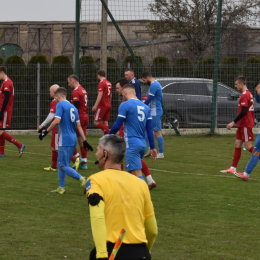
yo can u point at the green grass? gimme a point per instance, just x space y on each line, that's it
201 213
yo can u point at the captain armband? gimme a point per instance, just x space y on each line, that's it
94 199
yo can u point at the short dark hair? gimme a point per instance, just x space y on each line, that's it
146 75
61 91
122 82
73 76
128 69
101 73
257 83
241 79
3 69
128 86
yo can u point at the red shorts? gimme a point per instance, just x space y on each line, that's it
55 139
245 134
6 121
84 124
102 114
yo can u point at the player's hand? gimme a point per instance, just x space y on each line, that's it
40 129
43 134
153 154
94 108
230 125
87 146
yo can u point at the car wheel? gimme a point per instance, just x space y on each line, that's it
166 124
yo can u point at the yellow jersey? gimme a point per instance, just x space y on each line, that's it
127 203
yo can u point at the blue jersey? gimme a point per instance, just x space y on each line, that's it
66 129
156 103
137 86
136 114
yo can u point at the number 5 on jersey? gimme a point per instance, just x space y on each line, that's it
140 112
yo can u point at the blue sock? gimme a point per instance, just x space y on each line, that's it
146 139
62 177
160 142
252 163
71 172
142 178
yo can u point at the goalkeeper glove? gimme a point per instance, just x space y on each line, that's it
87 146
40 131
43 134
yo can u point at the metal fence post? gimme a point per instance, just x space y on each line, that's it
77 36
38 93
103 62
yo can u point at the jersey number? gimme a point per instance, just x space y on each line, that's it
140 112
86 100
251 108
72 115
109 91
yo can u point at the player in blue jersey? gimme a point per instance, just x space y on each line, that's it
130 76
155 101
136 117
256 152
67 119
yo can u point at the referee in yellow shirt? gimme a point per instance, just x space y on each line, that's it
119 200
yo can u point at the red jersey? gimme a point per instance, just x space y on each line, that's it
106 87
246 100
80 94
7 86
121 130
53 110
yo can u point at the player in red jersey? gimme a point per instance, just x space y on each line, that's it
79 98
54 138
103 103
151 183
245 122
6 110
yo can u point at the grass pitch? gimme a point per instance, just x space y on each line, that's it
201 213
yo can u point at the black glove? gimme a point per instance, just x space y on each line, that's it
87 146
43 134
40 131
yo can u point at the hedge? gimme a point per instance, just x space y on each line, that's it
161 67
183 68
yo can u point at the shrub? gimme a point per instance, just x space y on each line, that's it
161 67
205 69
1 61
183 68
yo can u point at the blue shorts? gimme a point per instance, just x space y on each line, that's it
65 154
157 123
134 153
257 143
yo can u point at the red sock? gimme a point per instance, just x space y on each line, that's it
10 139
75 151
236 157
73 158
104 128
54 158
251 149
145 168
122 166
2 145
83 153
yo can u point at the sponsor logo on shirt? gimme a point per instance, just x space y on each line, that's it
75 98
6 88
243 103
100 89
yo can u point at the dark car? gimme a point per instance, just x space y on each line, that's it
189 100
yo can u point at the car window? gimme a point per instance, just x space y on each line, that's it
144 90
187 88
222 91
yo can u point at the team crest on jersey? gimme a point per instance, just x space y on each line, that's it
88 185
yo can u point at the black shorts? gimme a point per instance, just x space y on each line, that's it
126 252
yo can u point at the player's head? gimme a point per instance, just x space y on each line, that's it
240 82
111 150
129 74
257 87
60 94
101 74
128 92
53 88
147 78
3 72
73 81
119 85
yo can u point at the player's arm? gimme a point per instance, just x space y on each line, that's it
116 126
54 124
5 103
47 121
149 129
149 99
99 97
151 231
86 145
76 104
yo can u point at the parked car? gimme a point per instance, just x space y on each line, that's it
188 101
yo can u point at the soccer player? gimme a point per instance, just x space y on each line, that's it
54 138
103 103
130 76
66 118
245 122
79 99
136 117
155 101
151 183
6 111
119 200
256 152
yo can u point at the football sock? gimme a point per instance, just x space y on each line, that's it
2 145
252 163
251 149
83 154
76 154
62 177
142 178
10 139
71 172
145 168
104 128
160 142
236 157
73 159
146 139
54 158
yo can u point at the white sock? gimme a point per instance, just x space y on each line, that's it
233 168
149 178
76 155
84 159
246 175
